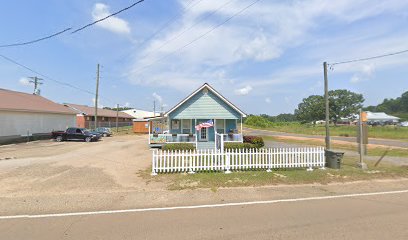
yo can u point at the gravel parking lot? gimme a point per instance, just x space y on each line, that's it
48 167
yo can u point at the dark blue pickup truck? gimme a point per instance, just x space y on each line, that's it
76 134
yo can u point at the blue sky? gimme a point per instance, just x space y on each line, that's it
265 59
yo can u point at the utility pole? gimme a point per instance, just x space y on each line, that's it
96 95
154 108
36 81
117 118
326 100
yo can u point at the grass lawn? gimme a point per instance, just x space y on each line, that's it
215 180
372 151
386 132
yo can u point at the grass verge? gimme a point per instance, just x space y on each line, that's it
383 132
371 151
214 180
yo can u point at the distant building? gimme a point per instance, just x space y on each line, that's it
106 117
379 117
140 114
23 114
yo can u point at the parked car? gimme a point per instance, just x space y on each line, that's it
104 131
75 134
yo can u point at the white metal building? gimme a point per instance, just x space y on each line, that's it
23 114
139 114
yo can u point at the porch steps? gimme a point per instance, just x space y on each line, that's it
206 145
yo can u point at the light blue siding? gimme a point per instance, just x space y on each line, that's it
205 106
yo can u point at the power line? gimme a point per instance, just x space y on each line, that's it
70 28
171 20
369 58
36 40
197 38
111 15
187 29
50 78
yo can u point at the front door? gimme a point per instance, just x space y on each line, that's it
204 134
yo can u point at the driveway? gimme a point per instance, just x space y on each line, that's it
47 167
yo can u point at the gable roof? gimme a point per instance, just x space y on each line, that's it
90 111
206 85
25 102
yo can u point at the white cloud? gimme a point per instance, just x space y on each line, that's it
247 50
158 98
114 24
366 72
127 104
268 100
243 91
24 82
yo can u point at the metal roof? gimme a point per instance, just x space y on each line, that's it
90 111
25 102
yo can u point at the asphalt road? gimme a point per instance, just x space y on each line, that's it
358 217
386 142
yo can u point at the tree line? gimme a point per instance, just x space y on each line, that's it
397 105
343 104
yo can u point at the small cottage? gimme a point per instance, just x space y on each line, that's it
204 118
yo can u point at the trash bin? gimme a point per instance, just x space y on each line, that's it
333 159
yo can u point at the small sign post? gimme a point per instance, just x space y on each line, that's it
362 138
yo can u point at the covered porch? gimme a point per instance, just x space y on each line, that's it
180 130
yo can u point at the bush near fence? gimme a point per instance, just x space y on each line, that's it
179 146
238 145
255 140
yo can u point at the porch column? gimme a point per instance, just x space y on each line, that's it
242 135
196 137
149 122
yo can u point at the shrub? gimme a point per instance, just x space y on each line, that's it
257 121
255 140
178 146
232 145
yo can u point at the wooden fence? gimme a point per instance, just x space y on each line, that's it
241 159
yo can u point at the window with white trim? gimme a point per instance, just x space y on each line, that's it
186 126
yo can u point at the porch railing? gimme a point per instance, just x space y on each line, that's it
171 138
235 137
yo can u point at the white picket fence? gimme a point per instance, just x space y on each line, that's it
248 159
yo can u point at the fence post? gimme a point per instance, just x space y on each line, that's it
227 162
190 163
310 169
269 151
154 157
322 159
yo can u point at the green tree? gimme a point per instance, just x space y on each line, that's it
311 109
285 117
257 121
344 103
